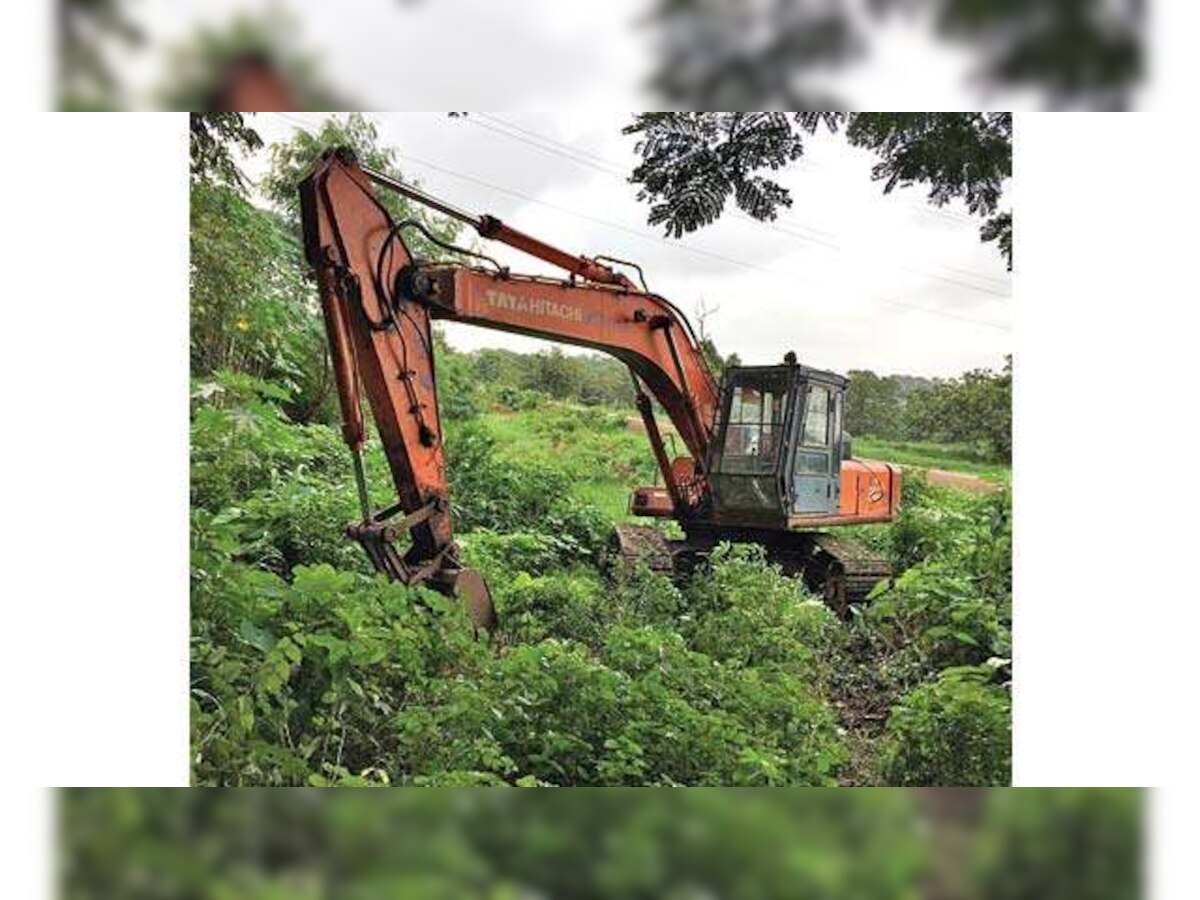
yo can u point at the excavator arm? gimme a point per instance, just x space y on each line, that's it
378 303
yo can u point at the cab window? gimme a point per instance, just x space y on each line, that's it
816 418
753 431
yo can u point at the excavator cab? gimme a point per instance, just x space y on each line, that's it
778 445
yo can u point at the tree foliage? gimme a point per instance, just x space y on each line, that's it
293 159
692 163
976 407
963 156
86 29
214 139
777 53
252 310
973 410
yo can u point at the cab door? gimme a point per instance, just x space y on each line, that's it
816 470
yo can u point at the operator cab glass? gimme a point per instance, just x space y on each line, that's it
777 448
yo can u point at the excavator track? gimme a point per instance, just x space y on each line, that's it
844 572
644 544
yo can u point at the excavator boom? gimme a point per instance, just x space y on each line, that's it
379 302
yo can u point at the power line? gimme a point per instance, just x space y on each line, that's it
548 149
973 274
571 147
610 168
672 245
696 250
774 226
617 171
804 160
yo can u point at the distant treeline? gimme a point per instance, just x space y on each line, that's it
973 409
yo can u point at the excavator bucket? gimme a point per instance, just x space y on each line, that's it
472 590
443 574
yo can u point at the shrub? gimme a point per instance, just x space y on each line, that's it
489 492
505 555
519 399
648 597
243 442
1060 842
935 616
954 731
296 680
745 611
724 724
561 605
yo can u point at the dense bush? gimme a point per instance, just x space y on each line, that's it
490 492
746 612
954 731
242 440
1060 842
308 670
1067 844
336 677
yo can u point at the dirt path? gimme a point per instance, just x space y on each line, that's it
960 480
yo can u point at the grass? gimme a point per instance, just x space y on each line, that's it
605 458
608 459
926 455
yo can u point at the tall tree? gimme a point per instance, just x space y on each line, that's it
975 408
692 163
874 405
215 139
251 310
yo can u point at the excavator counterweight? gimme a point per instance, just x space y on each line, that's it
767 458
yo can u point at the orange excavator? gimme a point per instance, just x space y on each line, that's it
767 459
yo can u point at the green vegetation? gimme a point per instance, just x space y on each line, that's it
928 455
1068 844
308 669
972 413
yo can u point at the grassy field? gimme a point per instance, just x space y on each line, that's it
924 455
608 458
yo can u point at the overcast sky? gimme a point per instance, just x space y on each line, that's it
418 54
847 277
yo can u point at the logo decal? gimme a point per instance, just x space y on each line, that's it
551 309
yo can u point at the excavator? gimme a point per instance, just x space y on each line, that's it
767 459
